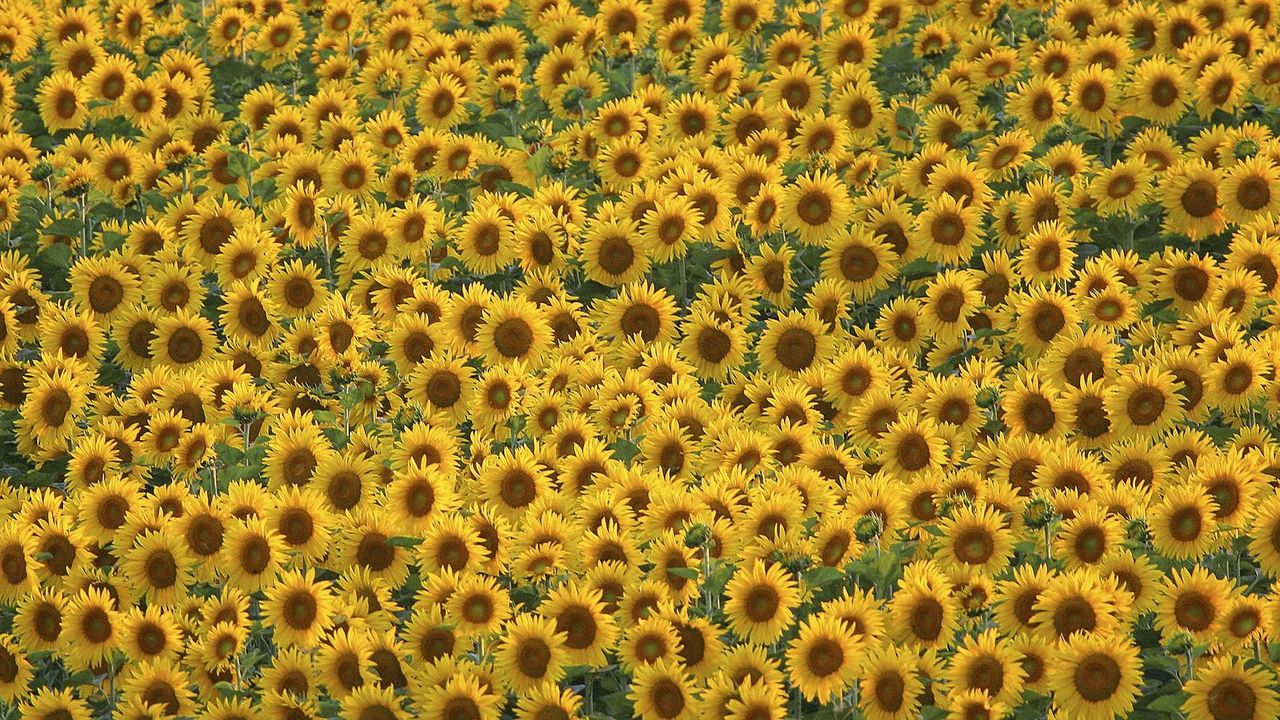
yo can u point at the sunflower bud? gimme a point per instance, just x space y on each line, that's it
987 397
1245 148
41 171
1180 642
1137 531
795 564
573 98
867 528
247 416
1038 514
237 133
697 535
75 185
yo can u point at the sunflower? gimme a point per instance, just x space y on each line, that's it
251 554
344 660
1158 91
442 383
1039 104
822 659
579 615
889 685
794 343
713 345
15 670
91 626
1094 96
860 260
816 207
1251 189
760 601
514 330
49 704
53 406
104 286
151 634
975 539
1090 538
1191 196
613 252
299 609
1096 677
947 230
73 334
183 339
441 101
1075 603
1137 576
1143 401
662 690
1243 622
922 612
461 695
1226 688
1192 602
531 653
158 568
1221 86
987 665
63 102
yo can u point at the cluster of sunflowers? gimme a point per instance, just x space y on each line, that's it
466 359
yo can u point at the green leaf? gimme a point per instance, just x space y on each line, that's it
919 268
906 117
537 162
1155 307
684 572
822 575
1170 703
67 226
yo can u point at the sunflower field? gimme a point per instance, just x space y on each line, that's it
657 359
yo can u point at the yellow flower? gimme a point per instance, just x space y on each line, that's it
1096 677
